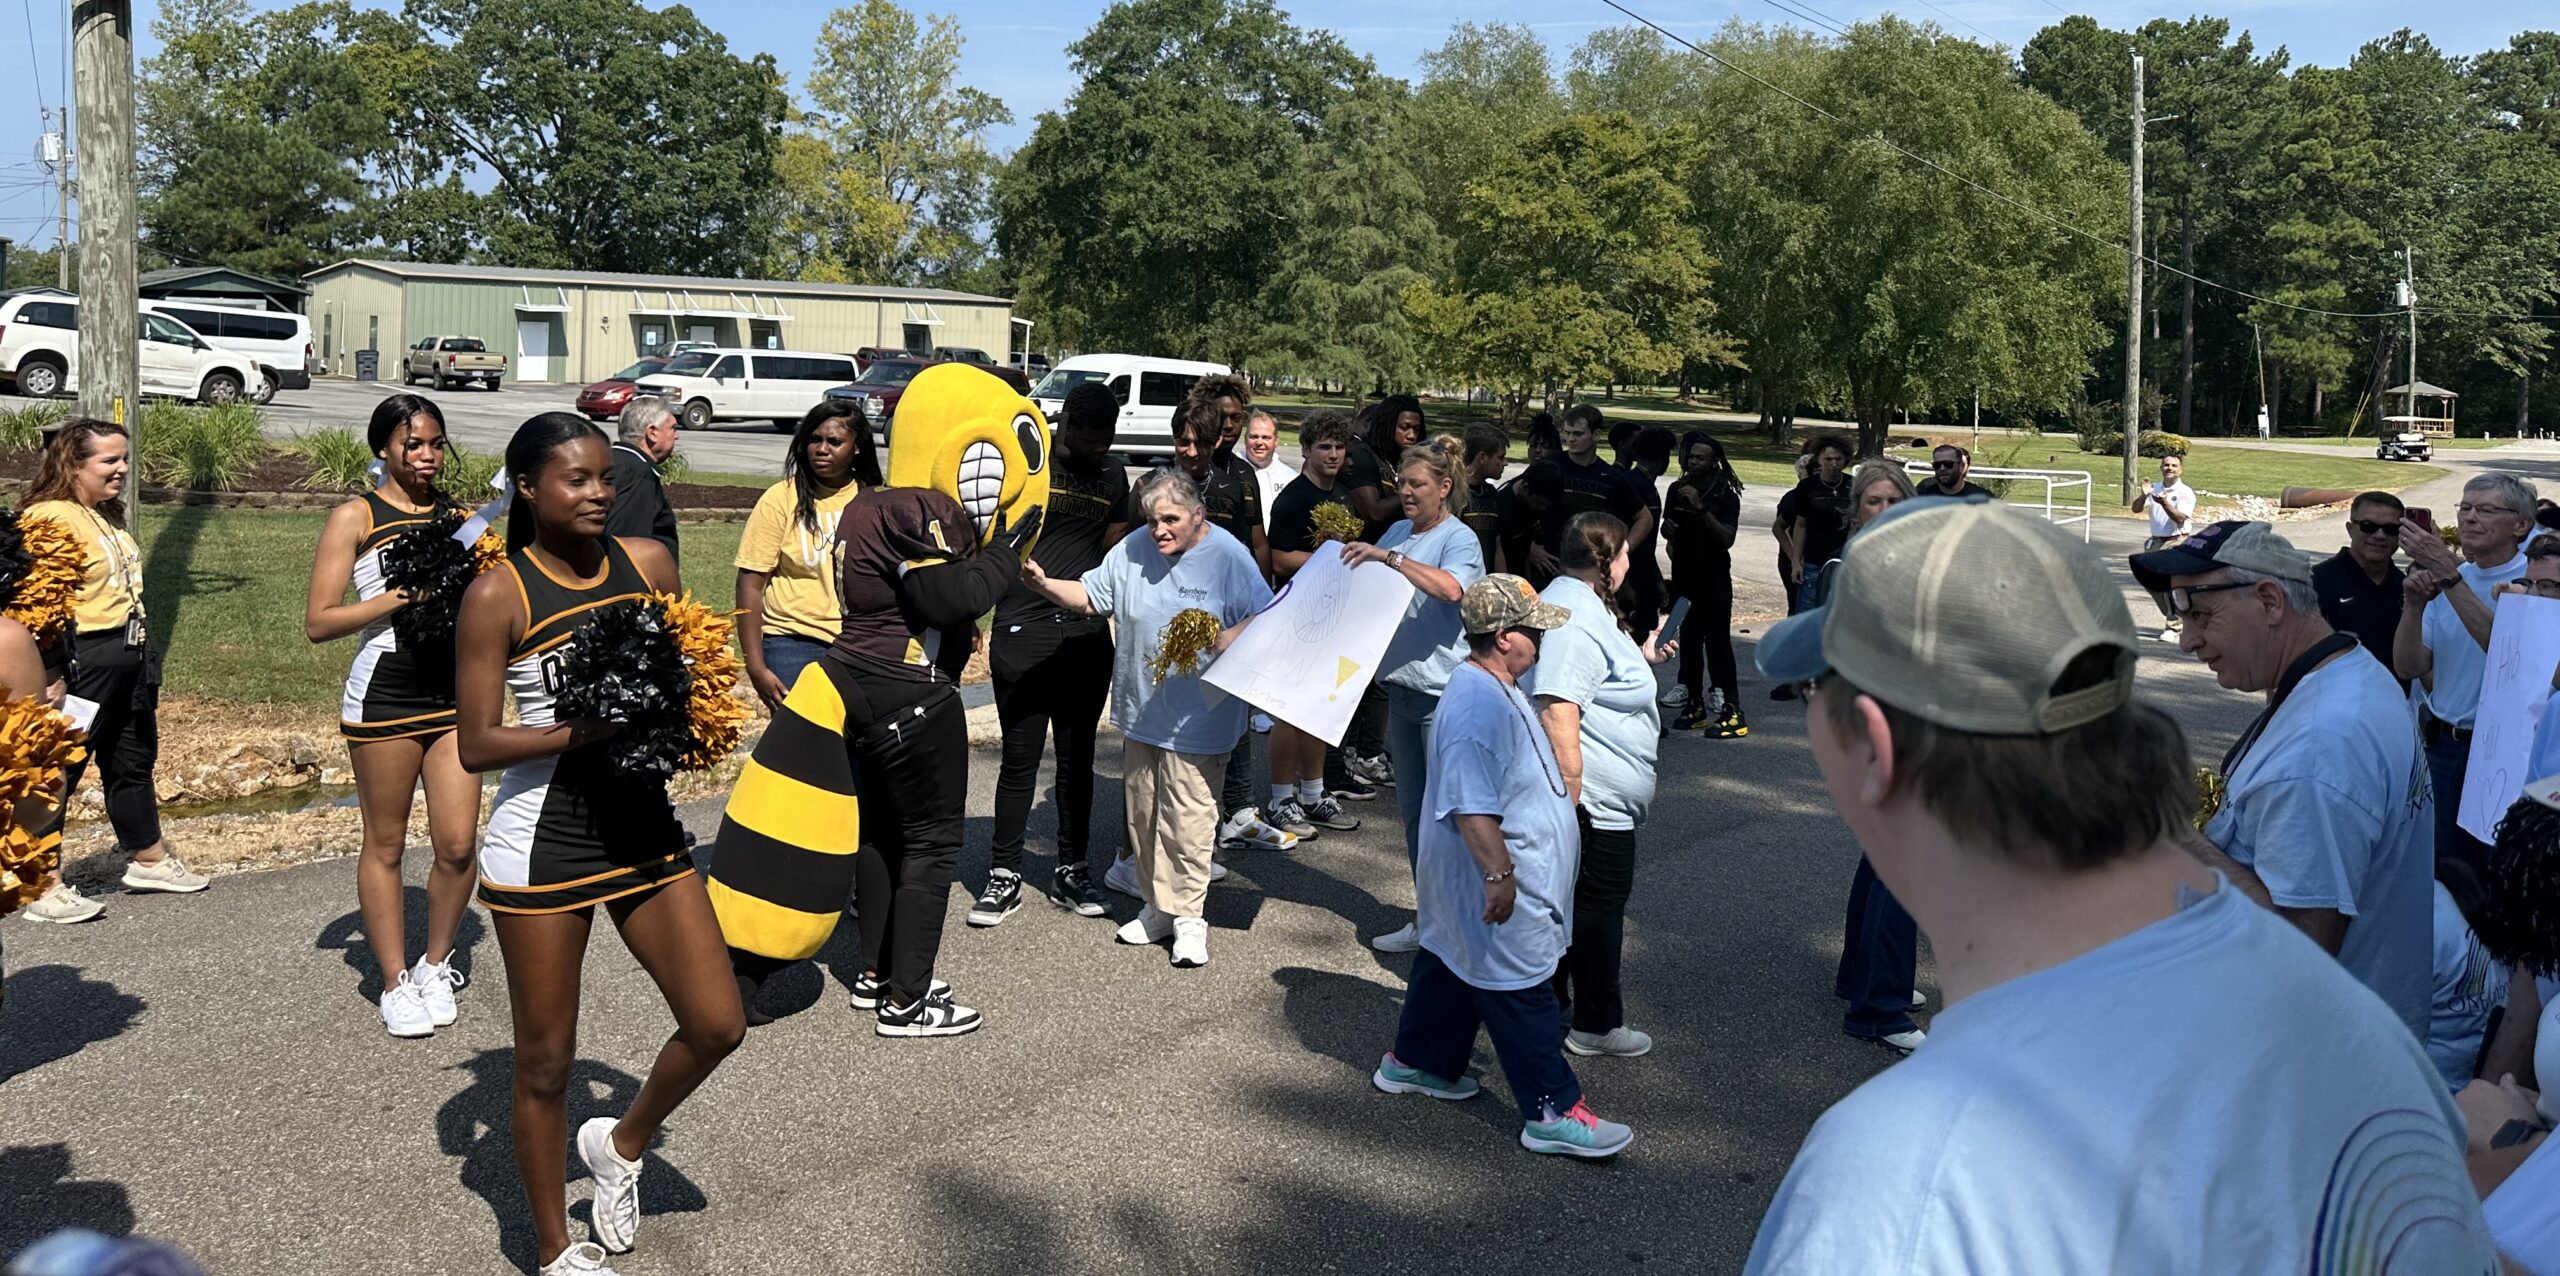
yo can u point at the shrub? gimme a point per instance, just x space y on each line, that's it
675 469
467 474
211 449
339 461
22 429
2160 443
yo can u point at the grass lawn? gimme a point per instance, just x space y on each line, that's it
2230 471
225 589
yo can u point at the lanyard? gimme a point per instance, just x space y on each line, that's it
126 568
2294 673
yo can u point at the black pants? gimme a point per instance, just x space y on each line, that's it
910 743
1048 685
1706 633
1879 959
1368 732
124 740
1587 978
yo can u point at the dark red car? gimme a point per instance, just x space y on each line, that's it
606 399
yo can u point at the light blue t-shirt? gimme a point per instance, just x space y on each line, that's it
1490 757
1145 590
2545 759
2330 808
2210 1093
1593 663
1432 640
2468 985
2459 658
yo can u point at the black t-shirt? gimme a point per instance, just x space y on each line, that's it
1598 486
1824 512
1293 526
1363 469
1694 499
1970 491
1085 499
1484 518
1233 501
2353 604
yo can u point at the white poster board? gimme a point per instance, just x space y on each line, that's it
2524 646
1308 656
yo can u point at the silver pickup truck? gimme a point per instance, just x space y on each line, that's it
446 362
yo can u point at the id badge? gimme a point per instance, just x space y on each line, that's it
136 634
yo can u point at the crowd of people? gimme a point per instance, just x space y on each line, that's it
2105 920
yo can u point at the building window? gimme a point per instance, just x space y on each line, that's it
918 336
653 338
328 335
373 332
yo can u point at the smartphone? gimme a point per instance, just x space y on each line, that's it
1671 624
2422 516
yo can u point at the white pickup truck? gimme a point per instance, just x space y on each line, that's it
446 362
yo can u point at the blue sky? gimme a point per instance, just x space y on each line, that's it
1016 48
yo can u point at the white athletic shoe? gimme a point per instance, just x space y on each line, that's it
585 1258
1190 942
168 873
1403 939
404 1009
62 905
435 985
1150 927
1247 831
615 1216
1122 876
1919 1000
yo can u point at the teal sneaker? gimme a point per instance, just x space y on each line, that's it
1395 1078
1579 1132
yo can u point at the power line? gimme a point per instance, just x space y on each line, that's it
1961 22
1809 14
2013 202
28 8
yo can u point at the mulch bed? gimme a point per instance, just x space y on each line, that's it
279 480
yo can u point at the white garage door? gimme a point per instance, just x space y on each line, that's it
533 350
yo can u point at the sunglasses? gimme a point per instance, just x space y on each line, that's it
2368 527
1944 465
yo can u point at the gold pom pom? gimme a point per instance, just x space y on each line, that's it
1336 522
36 743
717 716
1185 642
488 551
2209 793
44 599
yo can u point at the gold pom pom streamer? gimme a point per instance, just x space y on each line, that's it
56 563
36 743
1185 644
716 718
1336 522
2210 790
488 551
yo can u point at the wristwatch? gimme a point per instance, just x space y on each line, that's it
1395 559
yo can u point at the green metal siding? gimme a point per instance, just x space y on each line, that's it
438 308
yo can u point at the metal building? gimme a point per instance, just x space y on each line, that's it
575 326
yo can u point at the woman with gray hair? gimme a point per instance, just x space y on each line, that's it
1174 740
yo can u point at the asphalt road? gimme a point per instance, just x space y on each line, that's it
207 1070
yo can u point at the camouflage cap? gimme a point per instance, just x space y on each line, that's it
1504 601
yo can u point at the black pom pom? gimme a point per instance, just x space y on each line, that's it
624 668
2519 919
14 558
435 569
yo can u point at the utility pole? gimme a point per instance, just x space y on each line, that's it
55 150
110 338
2409 294
2133 309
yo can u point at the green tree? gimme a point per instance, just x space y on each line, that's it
1358 240
1483 91
2304 193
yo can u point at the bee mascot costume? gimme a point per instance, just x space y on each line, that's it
871 746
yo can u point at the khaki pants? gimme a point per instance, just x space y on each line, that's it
1172 808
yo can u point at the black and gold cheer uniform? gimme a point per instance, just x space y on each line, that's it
392 693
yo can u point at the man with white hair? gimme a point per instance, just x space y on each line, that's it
646 439
2325 813
2443 640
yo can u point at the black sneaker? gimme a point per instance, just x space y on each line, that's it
1071 888
1783 691
870 990
931 1017
997 902
1692 716
1324 812
1352 789
1728 727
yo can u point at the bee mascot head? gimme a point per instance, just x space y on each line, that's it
966 434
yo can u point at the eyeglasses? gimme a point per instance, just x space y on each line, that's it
2183 598
2368 527
2468 508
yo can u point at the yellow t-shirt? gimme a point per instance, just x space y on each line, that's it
111 586
799 565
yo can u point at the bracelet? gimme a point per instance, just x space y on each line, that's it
1503 876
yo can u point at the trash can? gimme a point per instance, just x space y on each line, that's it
368 365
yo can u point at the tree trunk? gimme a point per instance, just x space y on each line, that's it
2187 318
2275 400
2319 402
2524 402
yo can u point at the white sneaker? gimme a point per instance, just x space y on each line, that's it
63 905
1906 1042
615 1216
1622 1041
585 1258
1122 876
404 1010
435 985
168 874
1190 942
1246 830
1217 871
1673 696
1919 1000
1151 927
1403 939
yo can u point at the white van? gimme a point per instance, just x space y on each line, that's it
278 341
1148 389
40 354
731 384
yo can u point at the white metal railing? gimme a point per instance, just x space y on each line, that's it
2056 484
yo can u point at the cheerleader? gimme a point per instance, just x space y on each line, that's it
569 833
397 717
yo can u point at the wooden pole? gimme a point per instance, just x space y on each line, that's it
110 339
2133 309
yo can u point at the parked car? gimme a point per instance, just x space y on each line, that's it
2403 445
40 354
277 341
1149 389
685 347
606 399
962 354
1034 366
450 361
731 384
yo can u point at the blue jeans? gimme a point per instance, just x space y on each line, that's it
1809 594
1409 714
1879 959
787 654
1438 1031
2448 760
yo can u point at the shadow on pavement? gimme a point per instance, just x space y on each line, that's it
346 935
52 1012
473 1127
37 1183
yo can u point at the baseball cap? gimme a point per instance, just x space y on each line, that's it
1504 601
2253 547
1965 615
